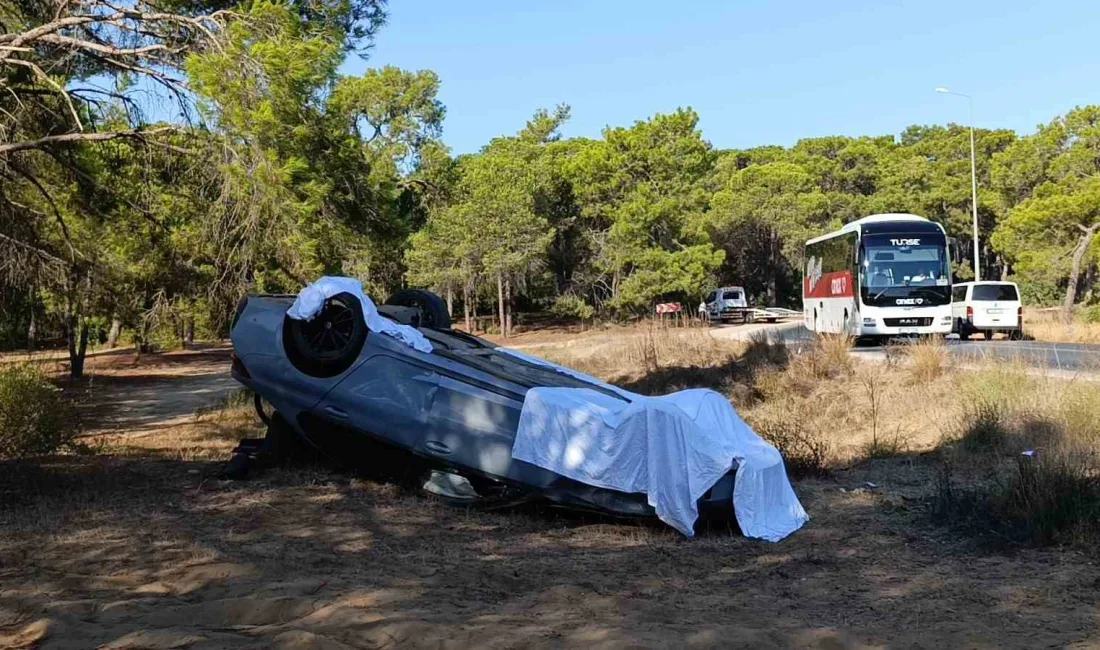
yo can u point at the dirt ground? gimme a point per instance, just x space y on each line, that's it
141 546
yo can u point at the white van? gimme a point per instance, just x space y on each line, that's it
986 307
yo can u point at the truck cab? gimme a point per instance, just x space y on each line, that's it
728 304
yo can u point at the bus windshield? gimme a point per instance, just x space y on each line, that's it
899 266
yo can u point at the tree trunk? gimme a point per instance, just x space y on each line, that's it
508 307
1075 271
450 301
32 332
114 332
77 336
141 337
473 307
1090 280
500 303
190 335
773 277
466 308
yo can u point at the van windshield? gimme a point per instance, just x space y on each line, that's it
994 292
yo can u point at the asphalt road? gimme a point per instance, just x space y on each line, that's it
1058 356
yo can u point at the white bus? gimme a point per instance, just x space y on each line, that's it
883 275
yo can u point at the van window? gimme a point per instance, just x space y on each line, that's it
990 292
731 295
958 294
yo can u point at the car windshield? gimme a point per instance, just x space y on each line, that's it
731 295
891 261
991 292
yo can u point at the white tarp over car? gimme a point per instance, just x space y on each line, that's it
312 299
672 448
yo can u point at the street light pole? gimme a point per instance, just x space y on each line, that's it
973 177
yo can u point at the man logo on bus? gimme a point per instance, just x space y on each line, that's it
813 272
905 242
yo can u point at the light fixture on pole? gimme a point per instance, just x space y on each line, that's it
973 177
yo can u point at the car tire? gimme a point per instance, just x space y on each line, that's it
1016 335
329 343
433 309
964 334
988 334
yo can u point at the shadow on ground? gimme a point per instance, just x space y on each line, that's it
99 552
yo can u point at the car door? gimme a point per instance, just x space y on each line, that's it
958 302
388 398
473 425
712 303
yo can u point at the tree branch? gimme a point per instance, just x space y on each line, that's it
53 205
46 78
55 39
74 138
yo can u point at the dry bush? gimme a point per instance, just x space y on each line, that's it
1023 463
1051 326
928 358
35 418
829 356
805 452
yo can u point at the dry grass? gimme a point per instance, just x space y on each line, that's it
820 406
209 435
1051 326
143 546
1022 465
928 358
653 359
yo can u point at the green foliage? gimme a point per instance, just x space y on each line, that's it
298 171
641 189
572 306
35 419
1051 184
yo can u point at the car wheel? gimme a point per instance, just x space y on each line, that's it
331 341
433 309
963 333
988 334
1016 335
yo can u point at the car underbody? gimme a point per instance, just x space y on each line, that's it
445 421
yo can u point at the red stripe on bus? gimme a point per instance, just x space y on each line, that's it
830 285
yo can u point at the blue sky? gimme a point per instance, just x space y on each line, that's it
757 72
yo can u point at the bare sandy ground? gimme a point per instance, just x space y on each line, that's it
142 547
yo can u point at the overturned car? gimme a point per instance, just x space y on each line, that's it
394 386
